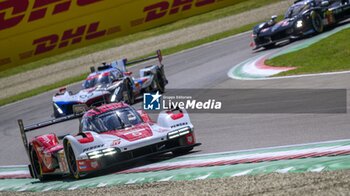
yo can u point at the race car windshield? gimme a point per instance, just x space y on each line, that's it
296 9
92 82
114 120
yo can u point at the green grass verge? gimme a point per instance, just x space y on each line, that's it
40 90
165 52
328 55
213 15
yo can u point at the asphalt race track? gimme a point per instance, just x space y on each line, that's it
203 67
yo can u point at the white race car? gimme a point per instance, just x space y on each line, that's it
110 134
112 83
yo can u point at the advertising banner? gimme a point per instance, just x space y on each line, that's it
34 29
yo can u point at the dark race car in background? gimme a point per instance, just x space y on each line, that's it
109 135
304 17
112 83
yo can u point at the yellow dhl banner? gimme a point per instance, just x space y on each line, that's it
35 29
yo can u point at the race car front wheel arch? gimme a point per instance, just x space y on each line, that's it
72 163
316 22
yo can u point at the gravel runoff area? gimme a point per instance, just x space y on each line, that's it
324 183
59 71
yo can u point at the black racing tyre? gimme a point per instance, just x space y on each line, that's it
56 114
129 98
270 46
182 151
72 163
159 82
37 167
316 22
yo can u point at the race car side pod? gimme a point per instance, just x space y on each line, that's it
159 56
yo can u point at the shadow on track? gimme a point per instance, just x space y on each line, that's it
114 169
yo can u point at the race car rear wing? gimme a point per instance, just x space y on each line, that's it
158 56
78 112
122 63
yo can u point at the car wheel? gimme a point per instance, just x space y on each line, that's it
182 151
56 114
316 22
37 168
129 97
72 163
270 46
159 82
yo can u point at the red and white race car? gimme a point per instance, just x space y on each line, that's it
110 134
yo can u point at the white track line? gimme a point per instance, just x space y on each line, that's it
237 151
303 75
271 148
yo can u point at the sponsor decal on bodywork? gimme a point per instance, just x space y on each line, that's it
93 147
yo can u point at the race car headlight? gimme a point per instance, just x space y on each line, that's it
94 153
109 151
114 96
99 153
299 23
58 108
96 156
178 133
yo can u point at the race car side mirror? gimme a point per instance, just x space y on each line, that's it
274 17
145 117
325 3
92 69
62 90
128 73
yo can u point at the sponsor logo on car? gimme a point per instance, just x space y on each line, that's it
116 142
179 125
94 164
93 147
